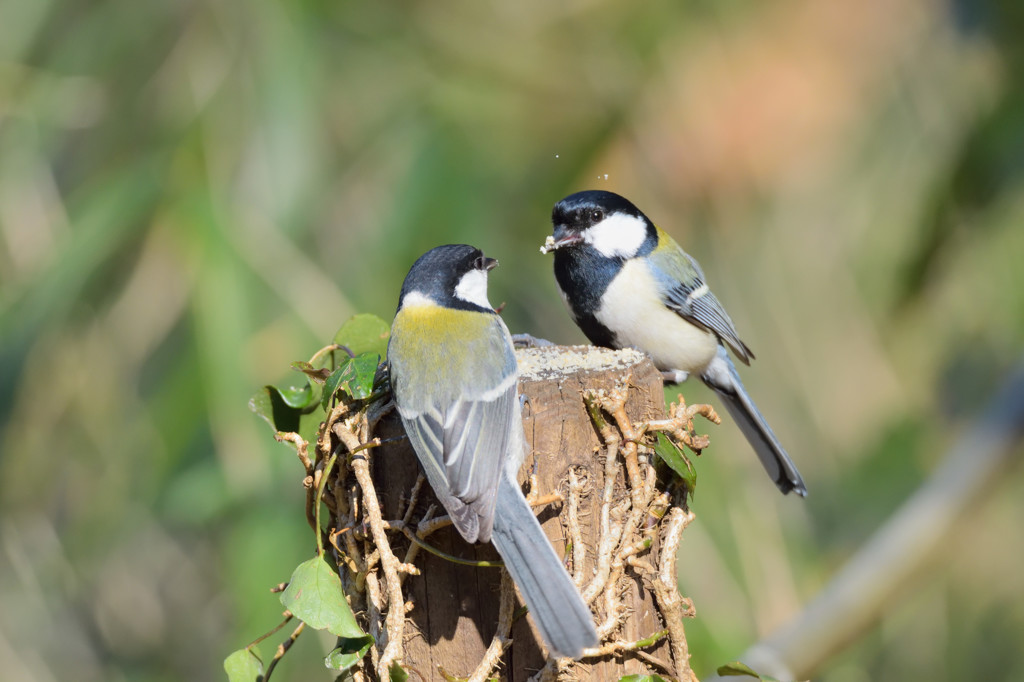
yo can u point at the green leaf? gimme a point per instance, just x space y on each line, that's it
331 385
677 461
283 410
350 650
396 673
364 333
271 407
244 665
315 596
269 404
642 678
355 377
299 397
737 669
262 403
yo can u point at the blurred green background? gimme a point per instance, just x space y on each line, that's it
193 194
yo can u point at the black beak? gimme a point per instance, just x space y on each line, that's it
490 264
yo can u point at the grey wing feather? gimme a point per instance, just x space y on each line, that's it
462 418
477 436
686 293
462 452
426 434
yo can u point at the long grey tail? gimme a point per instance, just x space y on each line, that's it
556 606
722 377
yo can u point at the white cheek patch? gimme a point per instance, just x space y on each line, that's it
472 288
618 235
416 298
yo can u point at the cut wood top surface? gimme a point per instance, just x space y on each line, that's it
550 361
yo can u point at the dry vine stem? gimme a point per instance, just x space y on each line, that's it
625 532
638 534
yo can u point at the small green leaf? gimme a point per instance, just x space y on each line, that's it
354 376
364 333
299 397
679 462
396 673
737 669
350 650
269 403
331 385
244 665
364 370
315 596
642 678
262 403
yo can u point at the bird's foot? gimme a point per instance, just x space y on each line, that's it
674 376
529 341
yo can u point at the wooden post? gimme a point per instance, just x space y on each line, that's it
454 612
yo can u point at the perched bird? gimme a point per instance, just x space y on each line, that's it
453 376
628 284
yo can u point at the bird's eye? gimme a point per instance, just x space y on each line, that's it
596 216
480 263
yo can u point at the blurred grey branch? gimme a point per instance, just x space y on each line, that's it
879 573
